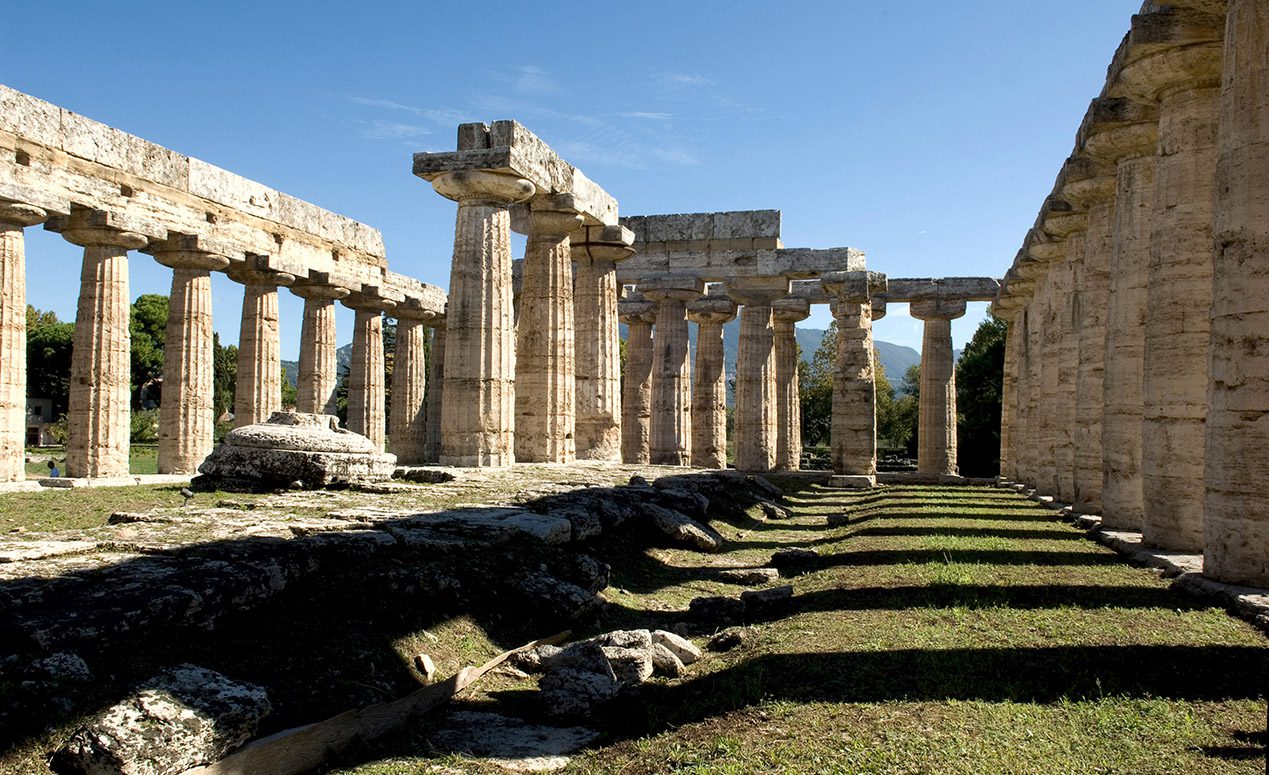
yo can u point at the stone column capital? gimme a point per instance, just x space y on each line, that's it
413 310
317 286
368 300
20 214
711 311
637 312
100 228
756 291
1117 128
602 243
553 216
254 270
857 287
936 309
179 258
672 287
1059 219
1086 180
877 309
483 187
790 310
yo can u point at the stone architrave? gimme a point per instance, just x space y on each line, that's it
367 414
936 453
258 385
318 369
670 427
407 422
785 315
709 381
636 384
13 218
1184 80
478 403
1130 143
755 414
854 430
187 420
596 251
1236 520
545 395
435 393
98 422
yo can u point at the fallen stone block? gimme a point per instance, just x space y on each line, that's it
761 601
684 531
422 475
184 717
716 610
681 647
577 680
665 662
794 558
748 575
510 743
774 511
534 660
631 666
626 639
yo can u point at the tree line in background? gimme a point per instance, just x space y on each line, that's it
979 373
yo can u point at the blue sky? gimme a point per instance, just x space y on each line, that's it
925 133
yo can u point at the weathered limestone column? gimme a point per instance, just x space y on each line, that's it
258 385
318 375
1008 312
785 315
1094 192
99 425
366 412
1129 139
13 218
854 431
709 381
1185 82
670 427
1236 520
936 423
435 392
407 423
755 371
1026 451
187 420
545 399
596 251
477 410
636 385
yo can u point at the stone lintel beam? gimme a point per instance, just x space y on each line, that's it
959 289
510 148
856 287
409 291
717 265
757 291
733 230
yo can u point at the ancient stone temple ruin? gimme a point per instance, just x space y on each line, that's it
1136 385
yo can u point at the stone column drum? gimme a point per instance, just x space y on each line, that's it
545 398
1185 83
936 452
187 421
367 414
596 251
98 427
407 422
1236 520
1131 145
785 315
478 404
636 383
435 393
755 371
13 218
854 432
318 369
709 382
671 422
258 385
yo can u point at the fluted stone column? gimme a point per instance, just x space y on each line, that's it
854 433
1009 388
1096 194
1236 520
636 383
435 392
545 398
596 251
258 385
670 426
367 414
1130 143
1066 349
318 368
187 420
785 315
13 218
478 407
936 452
98 423
1185 82
1026 449
709 381
407 423
755 413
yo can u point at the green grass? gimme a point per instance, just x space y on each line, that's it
142 459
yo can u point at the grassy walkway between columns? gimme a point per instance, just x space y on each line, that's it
942 630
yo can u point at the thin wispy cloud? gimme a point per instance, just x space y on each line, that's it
684 79
370 102
530 79
648 115
392 130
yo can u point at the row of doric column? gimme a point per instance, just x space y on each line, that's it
100 381
1137 364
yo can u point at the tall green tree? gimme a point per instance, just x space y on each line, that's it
48 358
899 432
148 326
816 390
979 375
